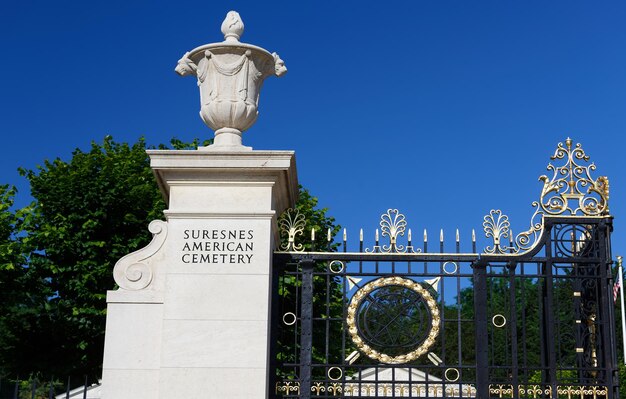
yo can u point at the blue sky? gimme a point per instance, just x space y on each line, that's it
442 109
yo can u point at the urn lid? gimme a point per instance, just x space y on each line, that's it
232 29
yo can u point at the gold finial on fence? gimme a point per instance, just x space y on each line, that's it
393 225
291 224
571 191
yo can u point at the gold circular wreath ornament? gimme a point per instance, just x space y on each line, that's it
372 353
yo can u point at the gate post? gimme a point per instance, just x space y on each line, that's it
202 330
482 339
607 316
192 316
306 333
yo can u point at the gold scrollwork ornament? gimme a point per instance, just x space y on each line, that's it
571 188
288 388
569 191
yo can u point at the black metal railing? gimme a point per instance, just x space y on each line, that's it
400 321
37 387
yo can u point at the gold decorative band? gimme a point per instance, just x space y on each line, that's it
335 376
289 318
336 269
361 294
402 389
498 321
420 389
451 270
452 374
545 391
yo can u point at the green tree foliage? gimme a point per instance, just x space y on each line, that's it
10 253
23 295
57 254
88 212
11 258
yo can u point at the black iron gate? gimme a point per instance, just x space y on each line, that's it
529 318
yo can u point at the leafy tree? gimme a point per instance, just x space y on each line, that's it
11 263
10 253
88 212
22 294
59 252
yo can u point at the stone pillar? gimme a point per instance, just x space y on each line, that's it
191 317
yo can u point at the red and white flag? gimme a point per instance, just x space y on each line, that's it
616 288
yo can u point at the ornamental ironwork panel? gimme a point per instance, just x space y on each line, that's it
530 316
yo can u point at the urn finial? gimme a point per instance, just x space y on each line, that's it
232 27
230 75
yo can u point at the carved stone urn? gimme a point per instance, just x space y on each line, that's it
230 75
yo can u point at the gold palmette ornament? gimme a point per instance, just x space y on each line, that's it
569 191
393 224
372 353
497 226
291 224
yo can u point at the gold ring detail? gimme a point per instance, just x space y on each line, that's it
501 321
289 323
330 266
335 368
456 268
458 375
372 353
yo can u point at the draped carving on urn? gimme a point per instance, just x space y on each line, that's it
230 76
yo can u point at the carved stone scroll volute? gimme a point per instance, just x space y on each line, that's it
135 271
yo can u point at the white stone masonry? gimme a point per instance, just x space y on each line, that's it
190 319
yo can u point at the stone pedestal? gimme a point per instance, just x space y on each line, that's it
190 319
